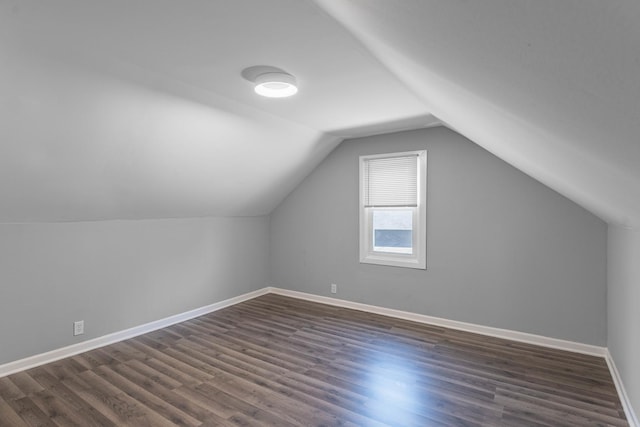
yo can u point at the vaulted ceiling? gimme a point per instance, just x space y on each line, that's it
137 108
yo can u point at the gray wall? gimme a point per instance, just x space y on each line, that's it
503 250
623 315
119 274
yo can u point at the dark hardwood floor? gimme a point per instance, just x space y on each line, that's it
279 361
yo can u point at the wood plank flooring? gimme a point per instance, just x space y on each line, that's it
277 361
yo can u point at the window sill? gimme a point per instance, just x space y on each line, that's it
393 261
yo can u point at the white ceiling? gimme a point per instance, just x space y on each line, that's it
551 87
136 108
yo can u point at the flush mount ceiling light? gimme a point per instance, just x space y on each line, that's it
270 81
276 85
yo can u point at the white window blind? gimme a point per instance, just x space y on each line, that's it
391 181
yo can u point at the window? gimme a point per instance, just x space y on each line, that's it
393 192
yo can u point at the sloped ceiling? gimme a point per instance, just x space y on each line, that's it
551 87
136 108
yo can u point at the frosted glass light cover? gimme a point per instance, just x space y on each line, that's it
276 85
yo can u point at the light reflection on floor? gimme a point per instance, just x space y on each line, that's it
395 396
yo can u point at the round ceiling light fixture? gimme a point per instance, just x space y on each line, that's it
276 85
270 81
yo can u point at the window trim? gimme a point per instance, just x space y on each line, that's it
416 260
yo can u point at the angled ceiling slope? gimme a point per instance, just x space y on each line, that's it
551 87
137 109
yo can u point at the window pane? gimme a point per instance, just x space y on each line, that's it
392 231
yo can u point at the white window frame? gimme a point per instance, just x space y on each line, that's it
418 259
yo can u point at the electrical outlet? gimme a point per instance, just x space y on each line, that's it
78 327
334 288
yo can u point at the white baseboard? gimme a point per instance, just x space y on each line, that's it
72 350
622 393
524 337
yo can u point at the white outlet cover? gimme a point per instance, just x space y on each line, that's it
78 327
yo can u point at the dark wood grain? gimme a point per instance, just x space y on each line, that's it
278 361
